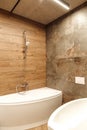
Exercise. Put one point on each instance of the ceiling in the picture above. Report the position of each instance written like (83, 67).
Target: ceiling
(42, 11)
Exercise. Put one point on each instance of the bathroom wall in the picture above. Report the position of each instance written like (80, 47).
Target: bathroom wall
(14, 69)
(67, 54)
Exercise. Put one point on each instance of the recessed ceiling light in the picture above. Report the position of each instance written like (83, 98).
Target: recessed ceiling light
(63, 4)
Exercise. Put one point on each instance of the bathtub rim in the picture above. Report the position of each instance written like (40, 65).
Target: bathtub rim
(30, 102)
(58, 93)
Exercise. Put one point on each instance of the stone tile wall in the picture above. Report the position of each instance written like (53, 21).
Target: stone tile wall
(67, 54)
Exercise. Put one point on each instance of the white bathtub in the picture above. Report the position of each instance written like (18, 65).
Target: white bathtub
(70, 116)
(21, 112)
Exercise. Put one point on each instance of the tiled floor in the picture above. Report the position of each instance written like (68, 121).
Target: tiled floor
(42, 127)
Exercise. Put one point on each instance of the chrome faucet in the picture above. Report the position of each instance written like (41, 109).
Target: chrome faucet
(22, 88)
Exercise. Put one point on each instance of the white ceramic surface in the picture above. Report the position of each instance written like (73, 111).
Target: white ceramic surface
(20, 112)
(70, 116)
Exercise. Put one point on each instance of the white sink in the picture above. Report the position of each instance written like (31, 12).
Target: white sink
(70, 116)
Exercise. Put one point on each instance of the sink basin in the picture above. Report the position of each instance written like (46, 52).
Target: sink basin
(70, 116)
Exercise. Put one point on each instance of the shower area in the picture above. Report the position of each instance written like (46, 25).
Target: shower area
(22, 55)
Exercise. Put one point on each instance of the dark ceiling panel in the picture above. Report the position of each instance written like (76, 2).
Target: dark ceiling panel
(7, 4)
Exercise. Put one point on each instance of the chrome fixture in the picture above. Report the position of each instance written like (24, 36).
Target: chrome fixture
(22, 88)
(26, 44)
(63, 3)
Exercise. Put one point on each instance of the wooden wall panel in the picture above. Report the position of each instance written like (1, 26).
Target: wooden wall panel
(14, 69)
